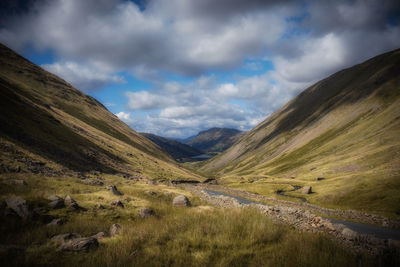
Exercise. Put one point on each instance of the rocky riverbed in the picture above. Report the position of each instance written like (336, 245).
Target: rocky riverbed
(303, 218)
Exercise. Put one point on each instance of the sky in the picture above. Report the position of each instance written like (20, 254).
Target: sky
(176, 67)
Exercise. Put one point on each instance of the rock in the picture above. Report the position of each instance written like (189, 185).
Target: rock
(115, 191)
(55, 222)
(99, 235)
(20, 207)
(40, 210)
(69, 200)
(146, 212)
(320, 178)
(53, 198)
(101, 207)
(80, 244)
(61, 239)
(328, 225)
(117, 203)
(317, 220)
(349, 234)
(56, 203)
(306, 190)
(115, 229)
(17, 182)
(181, 201)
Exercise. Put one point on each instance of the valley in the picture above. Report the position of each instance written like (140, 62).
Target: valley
(80, 187)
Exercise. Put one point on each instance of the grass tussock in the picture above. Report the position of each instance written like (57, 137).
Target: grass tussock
(199, 235)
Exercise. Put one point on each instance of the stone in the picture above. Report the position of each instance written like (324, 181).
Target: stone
(82, 244)
(306, 190)
(17, 182)
(69, 200)
(146, 212)
(181, 201)
(20, 207)
(115, 229)
(55, 222)
(57, 204)
(61, 239)
(328, 225)
(349, 234)
(115, 191)
(117, 203)
(53, 198)
(99, 235)
(99, 206)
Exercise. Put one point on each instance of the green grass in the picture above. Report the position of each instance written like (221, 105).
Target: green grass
(195, 236)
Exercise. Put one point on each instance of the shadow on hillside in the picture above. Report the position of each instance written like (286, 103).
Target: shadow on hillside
(39, 132)
(344, 87)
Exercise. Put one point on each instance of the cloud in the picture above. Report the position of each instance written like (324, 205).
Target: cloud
(304, 40)
(125, 117)
(83, 77)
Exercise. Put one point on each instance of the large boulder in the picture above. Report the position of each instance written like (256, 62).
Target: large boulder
(81, 244)
(146, 212)
(61, 239)
(55, 222)
(72, 204)
(56, 202)
(306, 190)
(99, 235)
(20, 207)
(69, 200)
(115, 229)
(181, 201)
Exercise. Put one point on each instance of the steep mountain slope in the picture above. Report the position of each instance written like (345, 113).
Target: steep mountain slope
(48, 126)
(215, 139)
(174, 148)
(345, 129)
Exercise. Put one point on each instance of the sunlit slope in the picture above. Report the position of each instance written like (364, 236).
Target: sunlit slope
(345, 128)
(45, 118)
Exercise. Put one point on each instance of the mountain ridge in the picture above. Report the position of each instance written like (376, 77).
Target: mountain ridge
(43, 117)
(214, 139)
(174, 148)
(346, 125)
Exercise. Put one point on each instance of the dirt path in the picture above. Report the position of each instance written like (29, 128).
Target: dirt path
(302, 216)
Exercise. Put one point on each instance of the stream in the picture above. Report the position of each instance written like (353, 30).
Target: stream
(377, 231)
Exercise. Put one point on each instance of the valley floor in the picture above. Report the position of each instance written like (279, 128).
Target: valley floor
(204, 234)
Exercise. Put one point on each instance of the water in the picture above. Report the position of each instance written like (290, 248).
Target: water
(380, 232)
(202, 156)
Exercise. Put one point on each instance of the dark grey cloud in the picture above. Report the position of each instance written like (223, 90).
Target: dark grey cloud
(305, 40)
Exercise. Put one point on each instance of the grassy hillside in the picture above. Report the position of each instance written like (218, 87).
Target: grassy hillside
(344, 129)
(215, 139)
(48, 126)
(174, 148)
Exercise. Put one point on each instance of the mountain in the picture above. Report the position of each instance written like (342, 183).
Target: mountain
(174, 148)
(214, 139)
(344, 129)
(49, 127)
